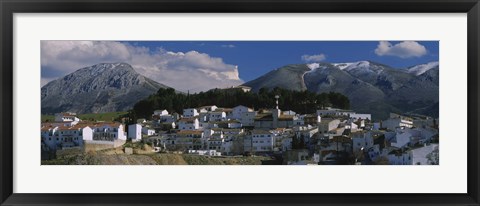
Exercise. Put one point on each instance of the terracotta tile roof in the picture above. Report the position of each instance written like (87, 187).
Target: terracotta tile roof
(187, 120)
(64, 128)
(224, 110)
(286, 117)
(187, 132)
(47, 127)
(257, 131)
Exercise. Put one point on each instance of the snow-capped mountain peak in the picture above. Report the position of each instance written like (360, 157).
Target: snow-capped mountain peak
(422, 68)
(350, 65)
(313, 66)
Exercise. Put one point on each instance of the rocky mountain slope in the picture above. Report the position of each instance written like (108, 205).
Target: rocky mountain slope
(371, 87)
(105, 87)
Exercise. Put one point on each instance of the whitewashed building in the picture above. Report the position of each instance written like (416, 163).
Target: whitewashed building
(160, 112)
(217, 116)
(135, 132)
(361, 141)
(190, 112)
(248, 118)
(402, 139)
(397, 121)
(327, 124)
(188, 124)
(108, 131)
(237, 112)
(148, 131)
(262, 140)
(361, 116)
(56, 137)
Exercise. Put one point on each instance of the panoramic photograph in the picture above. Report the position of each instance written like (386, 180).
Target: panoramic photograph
(239, 102)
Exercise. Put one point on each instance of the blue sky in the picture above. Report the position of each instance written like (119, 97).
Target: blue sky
(255, 58)
(202, 65)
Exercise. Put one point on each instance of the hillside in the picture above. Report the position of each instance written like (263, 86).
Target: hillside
(106, 87)
(117, 157)
(371, 87)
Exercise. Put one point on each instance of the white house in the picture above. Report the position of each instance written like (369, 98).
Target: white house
(361, 140)
(401, 139)
(205, 109)
(427, 155)
(243, 88)
(87, 133)
(238, 111)
(215, 142)
(135, 132)
(227, 145)
(230, 124)
(217, 116)
(351, 125)
(361, 116)
(190, 112)
(421, 135)
(188, 124)
(248, 118)
(108, 131)
(63, 136)
(334, 112)
(66, 117)
(262, 140)
(274, 119)
(160, 112)
(327, 124)
(148, 131)
(306, 133)
(162, 116)
(397, 121)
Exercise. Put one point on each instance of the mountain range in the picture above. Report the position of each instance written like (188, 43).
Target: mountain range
(104, 87)
(371, 87)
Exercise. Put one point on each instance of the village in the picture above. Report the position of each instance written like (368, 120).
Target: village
(328, 137)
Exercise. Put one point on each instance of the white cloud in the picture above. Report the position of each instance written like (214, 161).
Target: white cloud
(192, 70)
(406, 49)
(228, 46)
(313, 58)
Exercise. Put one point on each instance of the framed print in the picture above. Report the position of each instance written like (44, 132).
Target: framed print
(251, 103)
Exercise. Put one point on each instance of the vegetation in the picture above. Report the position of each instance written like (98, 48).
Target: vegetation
(108, 158)
(298, 101)
(109, 116)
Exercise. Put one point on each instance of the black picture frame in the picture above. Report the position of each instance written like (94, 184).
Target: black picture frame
(10, 7)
